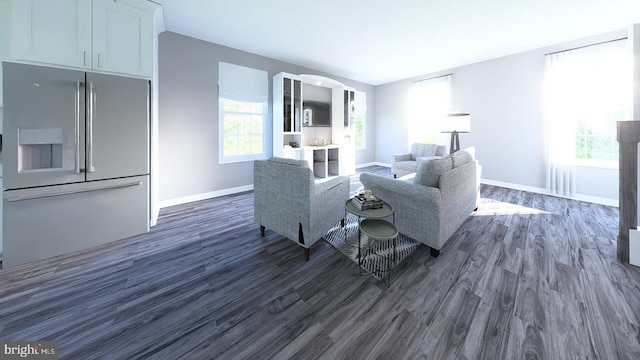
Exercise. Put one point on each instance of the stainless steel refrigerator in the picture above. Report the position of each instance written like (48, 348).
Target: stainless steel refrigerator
(75, 160)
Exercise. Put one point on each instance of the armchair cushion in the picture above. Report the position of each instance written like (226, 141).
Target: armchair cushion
(428, 174)
(462, 157)
(419, 150)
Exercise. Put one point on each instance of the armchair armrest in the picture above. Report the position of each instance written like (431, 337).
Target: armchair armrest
(400, 157)
(326, 206)
(324, 186)
(400, 191)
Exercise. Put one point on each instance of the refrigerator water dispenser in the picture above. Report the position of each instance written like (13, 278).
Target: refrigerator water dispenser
(39, 149)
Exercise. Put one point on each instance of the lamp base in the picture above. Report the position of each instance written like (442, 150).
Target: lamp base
(455, 142)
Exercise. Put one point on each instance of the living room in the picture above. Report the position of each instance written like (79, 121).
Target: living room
(504, 96)
(204, 283)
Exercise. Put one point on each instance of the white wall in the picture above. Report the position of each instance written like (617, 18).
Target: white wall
(505, 99)
(392, 120)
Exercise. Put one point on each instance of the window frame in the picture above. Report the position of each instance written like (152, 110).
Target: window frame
(243, 85)
(225, 159)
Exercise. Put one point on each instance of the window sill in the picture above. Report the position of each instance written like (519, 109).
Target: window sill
(610, 165)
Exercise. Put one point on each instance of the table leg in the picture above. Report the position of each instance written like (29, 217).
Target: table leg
(359, 248)
(346, 239)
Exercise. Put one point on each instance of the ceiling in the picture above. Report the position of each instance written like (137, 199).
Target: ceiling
(377, 42)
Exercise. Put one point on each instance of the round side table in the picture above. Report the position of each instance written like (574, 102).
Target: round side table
(384, 212)
(380, 230)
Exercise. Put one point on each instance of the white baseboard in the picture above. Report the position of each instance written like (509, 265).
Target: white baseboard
(239, 189)
(205, 196)
(537, 190)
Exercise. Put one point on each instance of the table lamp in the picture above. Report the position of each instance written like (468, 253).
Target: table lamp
(455, 124)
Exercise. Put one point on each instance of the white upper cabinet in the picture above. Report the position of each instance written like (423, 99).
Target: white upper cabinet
(106, 35)
(122, 38)
(57, 32)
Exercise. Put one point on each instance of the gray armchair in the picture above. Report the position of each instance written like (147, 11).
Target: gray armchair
(288, 201)
(431, 207)
(404, 164)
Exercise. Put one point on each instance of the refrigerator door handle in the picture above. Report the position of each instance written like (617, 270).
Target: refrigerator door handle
(77, 129)
(90, 108)
(71, 192)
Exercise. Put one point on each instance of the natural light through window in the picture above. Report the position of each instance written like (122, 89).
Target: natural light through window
(588, 91)
(243, 127)
(429, 101)
(360, 111)
(242, 113)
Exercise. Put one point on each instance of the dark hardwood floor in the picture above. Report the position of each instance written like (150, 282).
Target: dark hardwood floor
(526, 276)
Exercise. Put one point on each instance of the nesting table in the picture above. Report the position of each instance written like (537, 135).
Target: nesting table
(373, 224)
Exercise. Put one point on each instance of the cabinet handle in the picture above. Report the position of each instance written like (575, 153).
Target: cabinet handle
(84, 58)
(98, 59)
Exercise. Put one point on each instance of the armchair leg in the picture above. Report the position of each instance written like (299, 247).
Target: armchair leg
(261, 231)
(342, 222)
(307, 254)
(434, 252)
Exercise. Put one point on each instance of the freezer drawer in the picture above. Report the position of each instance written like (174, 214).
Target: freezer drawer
(44, 222)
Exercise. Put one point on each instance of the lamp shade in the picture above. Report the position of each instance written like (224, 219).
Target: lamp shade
(458, 122)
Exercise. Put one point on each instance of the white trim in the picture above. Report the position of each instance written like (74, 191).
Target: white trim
(543, 191)
(320, 81)
(205, 196)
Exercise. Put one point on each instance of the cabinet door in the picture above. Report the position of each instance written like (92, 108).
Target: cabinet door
(122, 38)
(54, 32)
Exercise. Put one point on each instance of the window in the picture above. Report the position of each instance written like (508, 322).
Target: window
(243, 109)
(588, 91)
(429, 101)
(360, 111)
(243, 123)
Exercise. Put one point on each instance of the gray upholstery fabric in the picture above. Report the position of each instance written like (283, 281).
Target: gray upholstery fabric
(428, 174)
(430, 214)
(419, 150)
(403, 164)
(288, 201)
(462, 157)
(294, 162)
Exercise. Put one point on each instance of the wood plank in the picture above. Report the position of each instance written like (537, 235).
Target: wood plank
(525, 276)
